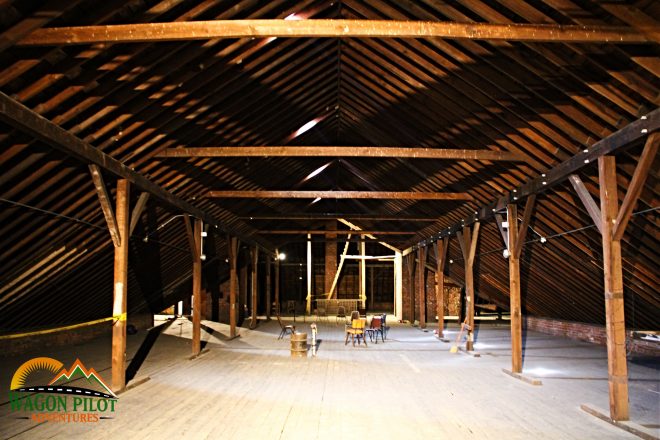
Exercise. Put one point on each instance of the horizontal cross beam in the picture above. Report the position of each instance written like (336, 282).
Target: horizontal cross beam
(355, 217)
(338, 232)
(400, 195)
(205, 30)
(335, 151)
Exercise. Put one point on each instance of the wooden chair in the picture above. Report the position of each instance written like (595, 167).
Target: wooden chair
(375, 328)
(341, 313)
(321, 313)
(285, 328)
(356, 331)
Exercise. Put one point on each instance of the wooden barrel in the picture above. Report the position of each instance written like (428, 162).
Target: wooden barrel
(299, 344)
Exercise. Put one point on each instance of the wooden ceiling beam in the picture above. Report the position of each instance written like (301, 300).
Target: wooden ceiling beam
(400, 195)
(338, 232)
(205, 30)
(335, 151)
(357, 217)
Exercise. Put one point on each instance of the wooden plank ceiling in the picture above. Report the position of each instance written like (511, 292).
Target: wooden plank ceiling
(509, 109)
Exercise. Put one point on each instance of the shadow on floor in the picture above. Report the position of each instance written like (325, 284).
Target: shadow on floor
(145, 348)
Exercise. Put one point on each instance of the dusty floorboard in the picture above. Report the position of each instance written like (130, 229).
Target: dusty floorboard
(409, 386)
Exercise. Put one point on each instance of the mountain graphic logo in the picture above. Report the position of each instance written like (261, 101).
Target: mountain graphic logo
(60, 382)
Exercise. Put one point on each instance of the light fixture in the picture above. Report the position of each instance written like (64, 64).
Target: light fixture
(543, 239)
(202, 257)
(204, 234)
(505, 254)
(281, 256)
(451, 261)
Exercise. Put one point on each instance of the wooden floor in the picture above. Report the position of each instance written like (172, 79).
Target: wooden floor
(411, 386)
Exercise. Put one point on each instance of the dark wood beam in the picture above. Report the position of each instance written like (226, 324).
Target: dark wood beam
(191, 238)
(335, 151)
(120, 291)
(588, 201)
(633, 132)
(254, 252)
(196, 288)
(277, 282)
(469, 249)
(340, 232)
(232, 250)
(26, 120)
(269, 261)
(137, 211)
(500, 225)
(353, 217)
(636, 185)
(106, 205)
(527, 217)
(400, 195)
(205, 30)
(421, 286)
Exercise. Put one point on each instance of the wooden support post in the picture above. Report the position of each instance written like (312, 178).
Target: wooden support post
(277, 283)
(398, 285)
(330, 257)
(255, 288)
(421, 288)
(587, 200)
(233, 281)
(614, 313)
(342, 259)
(121, 288)
(636, 185)
(308, 299)
(372, 288)
(410, 264)
(362, 273)
(106, 204)
(440, 260)
(197, 288)
(137, 211)
(514, 290)
(468, 242)
(268, 261)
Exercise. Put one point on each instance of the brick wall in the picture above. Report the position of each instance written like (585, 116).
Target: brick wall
(587, 332)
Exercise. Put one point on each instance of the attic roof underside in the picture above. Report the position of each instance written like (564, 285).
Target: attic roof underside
(543, 101)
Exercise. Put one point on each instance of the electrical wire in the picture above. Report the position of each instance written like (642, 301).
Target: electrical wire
(542, 239)
(88, 224)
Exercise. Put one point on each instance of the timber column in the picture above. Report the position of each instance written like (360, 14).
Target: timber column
(197, 287)
(614, 315)
(233, 281)
(514, 290)
(421, 287)
(330, 256)
(440, 258)
(121, 288)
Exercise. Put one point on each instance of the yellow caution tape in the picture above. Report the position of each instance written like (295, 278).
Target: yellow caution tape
(121, 317)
